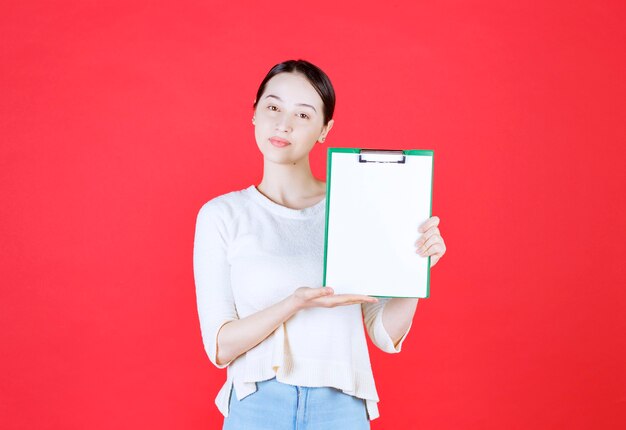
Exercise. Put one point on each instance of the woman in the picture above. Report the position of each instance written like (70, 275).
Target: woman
(296, 352)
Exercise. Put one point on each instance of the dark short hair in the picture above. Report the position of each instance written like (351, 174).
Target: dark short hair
(313, 74)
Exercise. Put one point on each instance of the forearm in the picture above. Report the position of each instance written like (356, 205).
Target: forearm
(238, 336)
(397, 316)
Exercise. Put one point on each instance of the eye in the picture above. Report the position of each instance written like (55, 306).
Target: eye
(303, 116)
(272, 108)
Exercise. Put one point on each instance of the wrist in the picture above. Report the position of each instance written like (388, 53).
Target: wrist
(292, 304)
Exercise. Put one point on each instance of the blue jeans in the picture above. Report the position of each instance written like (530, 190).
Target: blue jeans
(278, 406)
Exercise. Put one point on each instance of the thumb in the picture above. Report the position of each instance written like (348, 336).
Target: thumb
(326, 291)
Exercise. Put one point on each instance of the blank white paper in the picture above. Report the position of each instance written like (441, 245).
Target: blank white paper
(375, 210)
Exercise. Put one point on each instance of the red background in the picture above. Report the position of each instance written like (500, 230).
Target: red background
(118, 121)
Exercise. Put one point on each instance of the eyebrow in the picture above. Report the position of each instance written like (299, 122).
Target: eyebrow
(297, 104)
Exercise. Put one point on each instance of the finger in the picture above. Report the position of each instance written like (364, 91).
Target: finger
(314, 293)
(436, 249)
(433, 260)
(345, 299)
(432, 240)
(356, 297)
(334, 303)
(430, 222)
(427, 235)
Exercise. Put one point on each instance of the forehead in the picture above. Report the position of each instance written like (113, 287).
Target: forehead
(292, 88)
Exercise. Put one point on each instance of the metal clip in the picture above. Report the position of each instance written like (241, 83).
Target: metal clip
(381, 156)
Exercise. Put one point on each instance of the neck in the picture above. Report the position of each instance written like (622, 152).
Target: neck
(291, 185)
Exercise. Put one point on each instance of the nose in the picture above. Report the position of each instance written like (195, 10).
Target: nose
(283, 123)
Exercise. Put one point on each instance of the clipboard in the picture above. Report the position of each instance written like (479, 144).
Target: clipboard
(375, 202)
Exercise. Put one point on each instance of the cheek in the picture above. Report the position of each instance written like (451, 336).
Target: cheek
(258, 135)
(264, 124)
(313, 133)
(260, 138)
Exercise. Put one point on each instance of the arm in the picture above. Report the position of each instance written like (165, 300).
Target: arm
(225, 336)
(239, 336)
(398, 313)
(389, 321)
(398, 316)
(215, 302)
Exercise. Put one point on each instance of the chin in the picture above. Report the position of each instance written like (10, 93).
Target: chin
(283, 159)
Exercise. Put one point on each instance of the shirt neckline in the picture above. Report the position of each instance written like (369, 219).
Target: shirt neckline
(284, 210)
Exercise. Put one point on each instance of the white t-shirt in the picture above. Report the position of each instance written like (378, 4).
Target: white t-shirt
(250, 253)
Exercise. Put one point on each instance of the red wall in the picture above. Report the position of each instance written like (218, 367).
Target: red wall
(118, 121)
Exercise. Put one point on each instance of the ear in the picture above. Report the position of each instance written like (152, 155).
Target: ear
(326, 130)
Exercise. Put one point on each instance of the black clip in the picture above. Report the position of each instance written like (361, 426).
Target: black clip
(381, 156)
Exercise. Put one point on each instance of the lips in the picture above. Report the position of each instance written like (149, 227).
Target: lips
(279, 142)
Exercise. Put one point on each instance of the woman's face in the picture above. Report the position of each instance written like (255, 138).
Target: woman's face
(289, 119)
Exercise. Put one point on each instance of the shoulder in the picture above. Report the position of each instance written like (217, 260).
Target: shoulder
(226, 206)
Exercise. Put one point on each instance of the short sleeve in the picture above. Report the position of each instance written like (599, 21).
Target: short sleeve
(216, 305)
(373, 317)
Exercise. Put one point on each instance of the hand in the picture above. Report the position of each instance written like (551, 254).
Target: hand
(430, 243)
(306, 297)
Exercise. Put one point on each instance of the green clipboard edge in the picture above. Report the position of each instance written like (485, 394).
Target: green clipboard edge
(329, 162)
